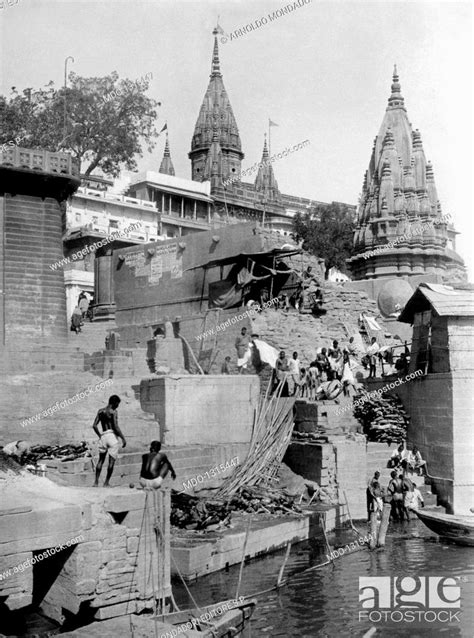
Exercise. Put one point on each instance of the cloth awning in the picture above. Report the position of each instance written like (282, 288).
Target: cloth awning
(232, 259)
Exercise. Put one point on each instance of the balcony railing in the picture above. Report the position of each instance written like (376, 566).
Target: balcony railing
(115, 197)
(38, 160)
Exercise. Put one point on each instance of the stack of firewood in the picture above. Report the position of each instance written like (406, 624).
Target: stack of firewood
(191, 512)
(383, 418)
(68, 452)
(199, 513)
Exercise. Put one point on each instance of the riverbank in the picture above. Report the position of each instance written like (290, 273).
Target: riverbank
(333, 590)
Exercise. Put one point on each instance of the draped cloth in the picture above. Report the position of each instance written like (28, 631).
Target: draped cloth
(224, 294)
(267, 353)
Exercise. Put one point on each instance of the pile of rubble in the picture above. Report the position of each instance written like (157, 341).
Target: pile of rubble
(383, 418)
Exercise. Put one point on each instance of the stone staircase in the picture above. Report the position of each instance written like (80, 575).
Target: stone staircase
(92, 335)
(377, 457)
(304, 333)
(188, 462)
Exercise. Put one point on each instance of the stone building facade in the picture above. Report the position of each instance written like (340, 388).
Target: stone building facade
(33, 188)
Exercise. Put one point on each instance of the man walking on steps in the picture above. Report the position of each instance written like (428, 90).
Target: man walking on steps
(109, 439)
(155, 467)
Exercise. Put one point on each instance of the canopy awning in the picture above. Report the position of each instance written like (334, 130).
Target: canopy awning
(232, 259)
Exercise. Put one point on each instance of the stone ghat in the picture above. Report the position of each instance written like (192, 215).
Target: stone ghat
(196, 554)
(304, 333)
(25, 397)
(189, 461)
(101, 548)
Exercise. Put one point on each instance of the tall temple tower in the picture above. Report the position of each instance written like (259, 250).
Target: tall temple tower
(265, 183)
(216, 151)
(398, 197)
(166, 165)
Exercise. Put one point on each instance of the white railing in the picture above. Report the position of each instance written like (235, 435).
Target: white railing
(113, 197)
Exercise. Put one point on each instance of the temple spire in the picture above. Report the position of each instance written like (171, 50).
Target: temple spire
(265, 182)
(396, 100)
(166, 165)
(215, 66)
(216, 115)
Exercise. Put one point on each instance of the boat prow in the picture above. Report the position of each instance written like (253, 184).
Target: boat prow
(456, 528)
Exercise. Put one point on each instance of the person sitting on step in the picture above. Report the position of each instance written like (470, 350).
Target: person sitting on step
(155, 467)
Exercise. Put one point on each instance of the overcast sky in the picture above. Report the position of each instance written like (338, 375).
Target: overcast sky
(322, 72)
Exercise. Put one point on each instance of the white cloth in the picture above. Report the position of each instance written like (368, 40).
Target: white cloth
(268, 354)
(242, 363)
(373, 349)
(109, 442)
(294, 366)
(347, 374)
(413, 499)
(10, 448)
(373, 325)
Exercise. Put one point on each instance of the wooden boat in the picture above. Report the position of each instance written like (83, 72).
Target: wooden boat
(458, 529)
(228, 624)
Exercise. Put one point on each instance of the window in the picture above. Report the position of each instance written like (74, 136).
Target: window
(95, 220)
(113, 223)
(78, 217)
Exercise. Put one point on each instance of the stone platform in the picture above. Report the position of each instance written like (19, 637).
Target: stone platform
(197, 555)
(189, 461)
(77, 550)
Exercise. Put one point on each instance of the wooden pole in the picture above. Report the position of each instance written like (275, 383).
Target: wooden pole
(322, 519)
(243, 557)
(202, 290)
(373, 530)
(192, 354)
(387, 507)
(349, 514)
(285, 560)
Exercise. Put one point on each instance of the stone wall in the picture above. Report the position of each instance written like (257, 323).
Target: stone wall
(33, 303)
(202, 409)
(441, 411)
(176, 285)
(305, 333)
(107, 569)
(26, 396)
(342, 467)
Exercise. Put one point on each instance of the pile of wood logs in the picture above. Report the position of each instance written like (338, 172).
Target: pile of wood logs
(383, 418)
(310, 436)
(191, 512)
(263, 500)
(68, 452)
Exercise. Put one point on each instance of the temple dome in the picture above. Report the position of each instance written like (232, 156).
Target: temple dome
(393, 296)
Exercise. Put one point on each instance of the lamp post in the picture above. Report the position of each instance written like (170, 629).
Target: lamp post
(69, 57)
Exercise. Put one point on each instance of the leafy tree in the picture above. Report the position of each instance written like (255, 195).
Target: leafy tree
(327, 232)
(107, 120)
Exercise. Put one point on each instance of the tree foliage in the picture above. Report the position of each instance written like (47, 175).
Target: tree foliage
(327, 231)
(107, 120)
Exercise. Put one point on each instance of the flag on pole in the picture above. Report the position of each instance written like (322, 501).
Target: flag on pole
(270, 123)
(165, 128)
(219, 29)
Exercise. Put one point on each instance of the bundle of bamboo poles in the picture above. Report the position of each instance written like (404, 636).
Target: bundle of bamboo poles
(273, 426)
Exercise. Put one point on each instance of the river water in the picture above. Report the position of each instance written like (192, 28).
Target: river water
(324, 603)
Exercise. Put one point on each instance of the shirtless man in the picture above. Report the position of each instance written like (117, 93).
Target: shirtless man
(155, 467)
(109, 439)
